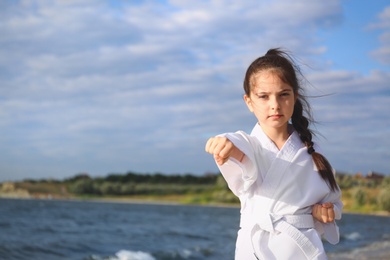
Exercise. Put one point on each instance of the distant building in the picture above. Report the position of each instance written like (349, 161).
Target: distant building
(375, 176)
(359, 175)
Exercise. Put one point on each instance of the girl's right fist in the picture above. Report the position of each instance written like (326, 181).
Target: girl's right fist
(221, 148)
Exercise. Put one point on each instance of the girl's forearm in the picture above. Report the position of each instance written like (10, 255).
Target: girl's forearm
(237, 154)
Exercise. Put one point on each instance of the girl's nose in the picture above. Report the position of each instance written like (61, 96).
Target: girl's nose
(274, 104)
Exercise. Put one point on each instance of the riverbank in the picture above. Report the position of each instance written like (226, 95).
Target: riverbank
(185, 200)
(159, 200)
(206, 197)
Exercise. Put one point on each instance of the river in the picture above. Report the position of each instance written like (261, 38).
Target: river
(85, 230)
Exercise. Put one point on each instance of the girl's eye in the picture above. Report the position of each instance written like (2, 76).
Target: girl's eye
(285, 94)
(262, 96)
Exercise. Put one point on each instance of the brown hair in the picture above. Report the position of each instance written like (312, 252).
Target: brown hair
(281, 63)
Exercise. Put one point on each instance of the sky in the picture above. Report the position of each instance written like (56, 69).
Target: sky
(104, 87)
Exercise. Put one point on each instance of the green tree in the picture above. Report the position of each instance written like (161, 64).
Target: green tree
(360, 197)
(82, 186)
(384, 199)
(345, 181)
(221, 183)
(128, 188)
(386, 182)
(110, 188)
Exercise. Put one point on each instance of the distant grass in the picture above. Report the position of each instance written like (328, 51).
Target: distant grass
(195, 194)
(189, 199)
(371, 204)
(43, 187)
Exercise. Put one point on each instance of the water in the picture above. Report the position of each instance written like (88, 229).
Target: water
(45, 229)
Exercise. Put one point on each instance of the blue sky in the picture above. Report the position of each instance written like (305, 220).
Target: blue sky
(104, 87)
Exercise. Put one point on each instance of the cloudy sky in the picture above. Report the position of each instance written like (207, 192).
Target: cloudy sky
(113, 86)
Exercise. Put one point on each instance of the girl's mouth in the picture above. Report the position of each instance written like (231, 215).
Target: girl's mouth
(275, 116)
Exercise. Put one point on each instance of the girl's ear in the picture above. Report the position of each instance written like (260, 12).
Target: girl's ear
(248, 102)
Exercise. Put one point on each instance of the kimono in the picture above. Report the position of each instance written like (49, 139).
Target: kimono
(277, 189)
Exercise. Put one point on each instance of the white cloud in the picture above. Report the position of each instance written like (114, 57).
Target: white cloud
(90, 87)
(382, 54)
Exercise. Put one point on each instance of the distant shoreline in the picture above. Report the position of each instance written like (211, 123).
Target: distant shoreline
(152, 201)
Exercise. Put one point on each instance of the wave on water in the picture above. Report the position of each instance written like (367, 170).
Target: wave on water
(196, 253)
(125, 255)
(352, 236)
(377, 251)
(130, 255)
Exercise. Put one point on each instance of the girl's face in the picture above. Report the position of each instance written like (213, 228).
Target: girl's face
(271, 100)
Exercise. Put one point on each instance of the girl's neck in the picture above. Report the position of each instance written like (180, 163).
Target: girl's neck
(278, 135)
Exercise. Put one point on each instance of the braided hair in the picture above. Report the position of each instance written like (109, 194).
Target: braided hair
(283, 65)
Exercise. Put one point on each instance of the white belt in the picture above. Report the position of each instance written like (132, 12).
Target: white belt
(288, 225)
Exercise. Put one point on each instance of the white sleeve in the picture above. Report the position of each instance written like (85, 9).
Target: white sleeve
(240, 175)
(331, 230)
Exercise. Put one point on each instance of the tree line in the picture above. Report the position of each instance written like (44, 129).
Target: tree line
(359, 194)
(141, 184)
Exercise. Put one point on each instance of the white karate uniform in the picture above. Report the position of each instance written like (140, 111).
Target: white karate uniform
(277, 189)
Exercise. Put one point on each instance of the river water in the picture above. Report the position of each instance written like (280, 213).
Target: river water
(85, 230)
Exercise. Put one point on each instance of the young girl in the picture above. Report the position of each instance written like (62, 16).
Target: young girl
(288, 193)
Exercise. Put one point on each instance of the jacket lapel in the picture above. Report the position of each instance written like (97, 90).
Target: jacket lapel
(280, 160)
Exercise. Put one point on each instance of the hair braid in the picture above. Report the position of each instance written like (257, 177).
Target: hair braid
(301, 125)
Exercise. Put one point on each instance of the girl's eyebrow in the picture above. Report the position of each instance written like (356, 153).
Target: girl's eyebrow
(283, 90)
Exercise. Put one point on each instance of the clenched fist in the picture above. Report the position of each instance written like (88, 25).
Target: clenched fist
(222, 149)
(323, 212)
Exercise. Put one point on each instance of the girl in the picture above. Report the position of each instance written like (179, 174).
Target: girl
(288, 193)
